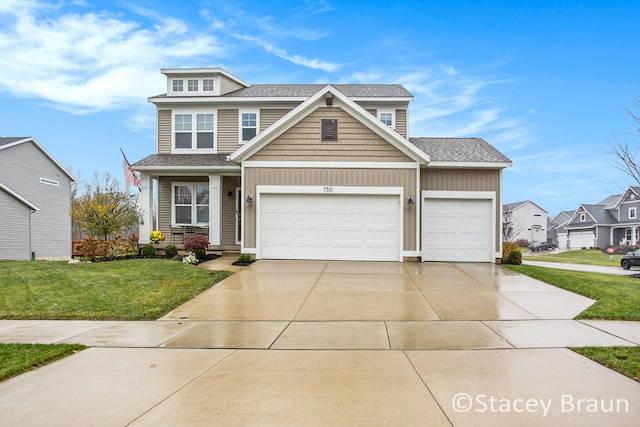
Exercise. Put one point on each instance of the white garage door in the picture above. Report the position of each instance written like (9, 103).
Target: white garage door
(582, 239)
(562, 240)
(457, 230)
(330, 227)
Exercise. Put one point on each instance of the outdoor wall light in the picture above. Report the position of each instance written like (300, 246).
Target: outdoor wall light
(229, 194)
(410, 201)
(249, 199)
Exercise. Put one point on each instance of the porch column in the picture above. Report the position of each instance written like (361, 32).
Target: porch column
(145, 204)
(215, 208)
(633, 235)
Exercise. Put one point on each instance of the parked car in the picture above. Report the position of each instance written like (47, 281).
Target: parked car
(630, 260)
(542, 246)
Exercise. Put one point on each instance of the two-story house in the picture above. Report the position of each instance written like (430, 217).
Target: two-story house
(613, 221)
(524, 221)
(316, 172)
(35, 198)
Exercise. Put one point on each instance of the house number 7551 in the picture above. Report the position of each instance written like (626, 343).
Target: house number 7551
(328, 189)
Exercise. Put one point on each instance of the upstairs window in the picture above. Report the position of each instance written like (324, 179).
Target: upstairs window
(632, 213)
(329, 130)
(583, 217)
(248, 126)
(184, 131)
(204, 129)
(387, 117)
(192, 85)
(207, 85)
(178, 85)
(194, 131)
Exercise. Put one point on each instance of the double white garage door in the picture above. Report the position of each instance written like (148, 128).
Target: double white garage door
(330, 226)
(369, 227)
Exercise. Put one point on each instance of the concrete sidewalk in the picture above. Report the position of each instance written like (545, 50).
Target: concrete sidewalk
(582, 267)
(332, 343)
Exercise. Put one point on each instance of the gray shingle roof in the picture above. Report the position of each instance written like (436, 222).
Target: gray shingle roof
(611, 201)
(9, 140)
(475, 150)
(307, 90)
(598, 212)
(183, 160)
(511, 206)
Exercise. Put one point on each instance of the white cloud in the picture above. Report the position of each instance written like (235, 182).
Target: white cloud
(92, 61)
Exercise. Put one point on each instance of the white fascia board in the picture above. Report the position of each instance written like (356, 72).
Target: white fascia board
(22, 141)
(163, 99)
(182, 169)
(18, 197)
(331, 165)
(577, 212)
(474, 165)
(319, 189)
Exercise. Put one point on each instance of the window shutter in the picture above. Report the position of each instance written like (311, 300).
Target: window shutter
(329, 129)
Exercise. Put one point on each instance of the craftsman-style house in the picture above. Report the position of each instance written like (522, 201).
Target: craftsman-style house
(316, 172)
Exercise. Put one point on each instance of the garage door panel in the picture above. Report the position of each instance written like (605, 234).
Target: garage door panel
(457, 230)
(584, 239)
(336, 226)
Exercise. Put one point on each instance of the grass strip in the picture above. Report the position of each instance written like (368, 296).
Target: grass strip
(625, 360)
(16, 359)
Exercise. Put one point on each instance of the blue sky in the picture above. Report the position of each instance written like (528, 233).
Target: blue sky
(546, 82)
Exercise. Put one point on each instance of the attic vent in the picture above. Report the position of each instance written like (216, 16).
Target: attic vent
(329, 129)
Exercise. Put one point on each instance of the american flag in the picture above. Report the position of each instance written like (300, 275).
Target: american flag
(130, 174)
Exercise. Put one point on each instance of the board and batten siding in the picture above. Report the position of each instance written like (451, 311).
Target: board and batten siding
(14, 223)
(164, 131)
(228, 206)
(437, 179)
(356, 142)
(21, 168)
(405, 178)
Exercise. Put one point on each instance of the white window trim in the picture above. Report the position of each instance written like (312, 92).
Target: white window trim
(194, 132)
(391, 111)
(247, 111)
(185, 86)
(171, 86)
(632, 210)
(583, 217)
(194, 206)
(198, 85)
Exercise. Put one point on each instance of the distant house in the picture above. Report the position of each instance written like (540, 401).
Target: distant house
(35, 195)
(524, 221)
(314, 171)
(556, 231)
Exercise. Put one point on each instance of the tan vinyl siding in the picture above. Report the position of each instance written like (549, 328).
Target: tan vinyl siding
(372, 111)
(466, 180)
(164, 131)
(227, 131)
(356, 142)
(227, 85)
(401, 122)
(405, 178)
(228, 220)
(270, 116)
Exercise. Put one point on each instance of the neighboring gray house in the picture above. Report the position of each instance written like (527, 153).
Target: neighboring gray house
(316, 172)
(35, 195)
(556, 232)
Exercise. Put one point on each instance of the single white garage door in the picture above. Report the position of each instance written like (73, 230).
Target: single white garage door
(581, 239)
(330, 227)
(562, 240)
(457, 230)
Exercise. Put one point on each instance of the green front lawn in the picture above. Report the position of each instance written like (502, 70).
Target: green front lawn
(143, 289)
(625, 360)
(618, 296)
(18, 358)
(586, 256)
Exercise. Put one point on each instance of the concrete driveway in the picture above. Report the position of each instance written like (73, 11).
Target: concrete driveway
(338, 343)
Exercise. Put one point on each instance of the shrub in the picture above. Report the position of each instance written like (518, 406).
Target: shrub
(245, 259)
(90, 248)
(170, 251)
(148, 250)
(523, 243)
(190, 259)
(507, 247)
(156, 236)
(197, 244)
(514, 257)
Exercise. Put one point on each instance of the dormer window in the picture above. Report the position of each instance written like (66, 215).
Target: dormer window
(207, 85)
(192, 85)
(178, 85)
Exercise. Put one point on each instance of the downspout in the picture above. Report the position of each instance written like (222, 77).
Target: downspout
(33, 255)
